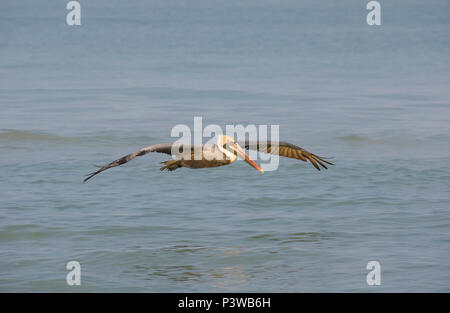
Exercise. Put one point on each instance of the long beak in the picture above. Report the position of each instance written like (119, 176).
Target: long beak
(246, 158)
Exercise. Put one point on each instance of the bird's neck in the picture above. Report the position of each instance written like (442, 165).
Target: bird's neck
(228, 155)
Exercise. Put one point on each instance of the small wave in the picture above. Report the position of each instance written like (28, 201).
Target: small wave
(7, 135)
(395, 140)
(361, 139)
(292, 237)
(13, 148)
(18, 135)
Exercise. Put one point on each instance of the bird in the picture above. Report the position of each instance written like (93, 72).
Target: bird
(223, 152)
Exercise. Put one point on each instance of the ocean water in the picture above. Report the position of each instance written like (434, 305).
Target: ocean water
(376, 98)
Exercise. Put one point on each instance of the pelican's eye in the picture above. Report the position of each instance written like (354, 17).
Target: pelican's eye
(228, 144)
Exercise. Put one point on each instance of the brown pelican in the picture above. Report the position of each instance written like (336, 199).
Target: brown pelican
(224, 151)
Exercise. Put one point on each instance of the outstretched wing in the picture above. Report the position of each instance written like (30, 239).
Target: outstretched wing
(161, 148)
(287, 150)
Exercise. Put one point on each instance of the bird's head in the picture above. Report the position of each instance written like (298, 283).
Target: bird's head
(227, 143)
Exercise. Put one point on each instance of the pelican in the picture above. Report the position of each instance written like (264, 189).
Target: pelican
(225, 151)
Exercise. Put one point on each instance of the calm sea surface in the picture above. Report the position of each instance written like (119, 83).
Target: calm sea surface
(377, 98)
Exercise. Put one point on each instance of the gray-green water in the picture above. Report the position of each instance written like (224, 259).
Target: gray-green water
(375, 98)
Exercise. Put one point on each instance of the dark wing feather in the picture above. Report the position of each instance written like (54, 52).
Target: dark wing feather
(161, 148)
(287, 150)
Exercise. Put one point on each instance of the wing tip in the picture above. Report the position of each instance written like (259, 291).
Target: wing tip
(90, 175)
(315, 158)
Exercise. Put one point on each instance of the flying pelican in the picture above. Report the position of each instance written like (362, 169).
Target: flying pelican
(224, 151)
